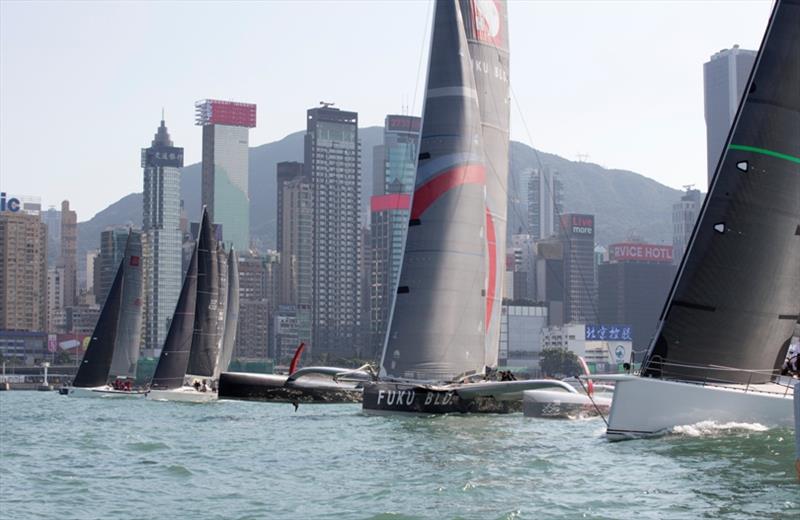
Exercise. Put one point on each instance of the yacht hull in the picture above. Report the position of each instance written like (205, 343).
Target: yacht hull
(184, 394)
(274, 388)
(645, 407)
(102, 391)
(388, 398)
(557, 404)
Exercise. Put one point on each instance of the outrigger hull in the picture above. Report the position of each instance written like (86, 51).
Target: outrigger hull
(275, 388)
(383, 398)
(103, 391)
(184, 394)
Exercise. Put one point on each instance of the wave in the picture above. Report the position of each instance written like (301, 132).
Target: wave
(711, 428)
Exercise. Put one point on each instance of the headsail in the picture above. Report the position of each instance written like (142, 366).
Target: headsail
(486, 26)
(736, 297)
(436, 329)
(96, 362)
(222, 304)
(129, 329)
(231, 313)
(174, 359)
(205, 340)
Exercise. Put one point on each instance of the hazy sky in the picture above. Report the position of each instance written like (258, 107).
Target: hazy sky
(82, 84)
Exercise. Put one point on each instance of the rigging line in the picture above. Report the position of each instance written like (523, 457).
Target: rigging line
(422, 47)
(597, 409)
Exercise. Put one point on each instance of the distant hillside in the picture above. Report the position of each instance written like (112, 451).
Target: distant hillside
(623, 202)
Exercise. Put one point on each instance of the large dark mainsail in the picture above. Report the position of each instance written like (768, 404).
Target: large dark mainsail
(174, 359)
(736, 297)
(486, 27)
(437, 325)
(129, 328)
(205, 340)
(96, 363)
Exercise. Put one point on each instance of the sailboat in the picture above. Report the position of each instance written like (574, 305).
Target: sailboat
(189, 356)
(442, 343)
(113, 349)
(729, 318)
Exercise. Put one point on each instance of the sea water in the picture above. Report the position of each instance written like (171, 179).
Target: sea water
(71, 458)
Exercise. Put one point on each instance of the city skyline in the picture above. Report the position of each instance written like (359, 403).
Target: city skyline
(568, 96)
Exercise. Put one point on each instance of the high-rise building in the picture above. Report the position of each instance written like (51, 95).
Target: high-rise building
(226, 128)
(52, 218)
(295, 247)
(632, 287)
(521, 327)
(394, 170)
(91, 258)
(332, 163)
(580, 285)
(545, 203)
(725, 77)
(56, 316)
(161, 247)
(252, 336)
(684, 216)
(69, 250)
(112, 251)
(23, 271)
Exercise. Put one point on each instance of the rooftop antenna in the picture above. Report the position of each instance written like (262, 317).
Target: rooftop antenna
(688, 187)
(326, 104)
(162, 113)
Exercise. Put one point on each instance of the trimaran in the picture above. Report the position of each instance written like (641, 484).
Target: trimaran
(727, 324)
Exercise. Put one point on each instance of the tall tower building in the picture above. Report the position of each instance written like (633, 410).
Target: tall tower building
(112, 250)
(684, 216)
(252, 336)
(580, 284)
(724, 79)
(295, 247)
(226, 166)
(332, 162)
(394, 170)
(23, 271)
(161, 246)
(545, 203)
(69, 251)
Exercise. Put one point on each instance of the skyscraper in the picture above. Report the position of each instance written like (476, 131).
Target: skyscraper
(395, 164)
(69, 250)
(332, 162)
(112, 250)
(545, 203)
(684, 216)
(161, 237)
(724, 79)
(580, 285)
(226, 166)
(295, 246)
(252, 336)
(23, 271)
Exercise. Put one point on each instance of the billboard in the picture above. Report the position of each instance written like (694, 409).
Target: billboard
(231, 113)
(608, 332)
(170, 156)
(393, 201)
(403, 123)
(578, 225)
(636, 252)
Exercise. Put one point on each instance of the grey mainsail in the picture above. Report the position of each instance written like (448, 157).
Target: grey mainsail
(222, 303)
(205, 340)
(129, 328)
(231, 313)
(437, 325)
(736, 297)
(174, 359)
(96, 363)
(486, 27)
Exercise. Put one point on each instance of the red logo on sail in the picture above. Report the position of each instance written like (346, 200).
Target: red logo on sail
(135, 261)
(488, 23)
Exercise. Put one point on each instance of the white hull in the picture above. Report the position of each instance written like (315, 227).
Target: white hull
(103, 391)
(184, 394)
(645, 407)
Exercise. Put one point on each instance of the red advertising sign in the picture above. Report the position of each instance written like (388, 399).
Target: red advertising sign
(636, 252)
(407, 123)
(232, 113)
(577, 224)
(389, 202)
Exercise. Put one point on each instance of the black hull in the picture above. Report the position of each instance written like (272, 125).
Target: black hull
(272, 388)
(419, 399)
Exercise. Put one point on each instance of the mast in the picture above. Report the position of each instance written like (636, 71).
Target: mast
(736, 296)
(437, 327)
(96, 363)
(486, 26)
(129, 329)
(174, 359)
(205, 340)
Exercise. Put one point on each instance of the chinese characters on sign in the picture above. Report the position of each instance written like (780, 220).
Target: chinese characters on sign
(596, 332)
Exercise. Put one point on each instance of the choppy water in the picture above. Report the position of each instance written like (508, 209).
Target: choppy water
(67, 458)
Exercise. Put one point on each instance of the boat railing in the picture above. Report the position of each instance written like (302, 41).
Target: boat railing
(717, 379)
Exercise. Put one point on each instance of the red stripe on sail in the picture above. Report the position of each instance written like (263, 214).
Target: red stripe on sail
(491, 244)
(430, 192)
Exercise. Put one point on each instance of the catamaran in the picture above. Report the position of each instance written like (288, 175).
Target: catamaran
(729, 319)
(113, 350)
(442, 344)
